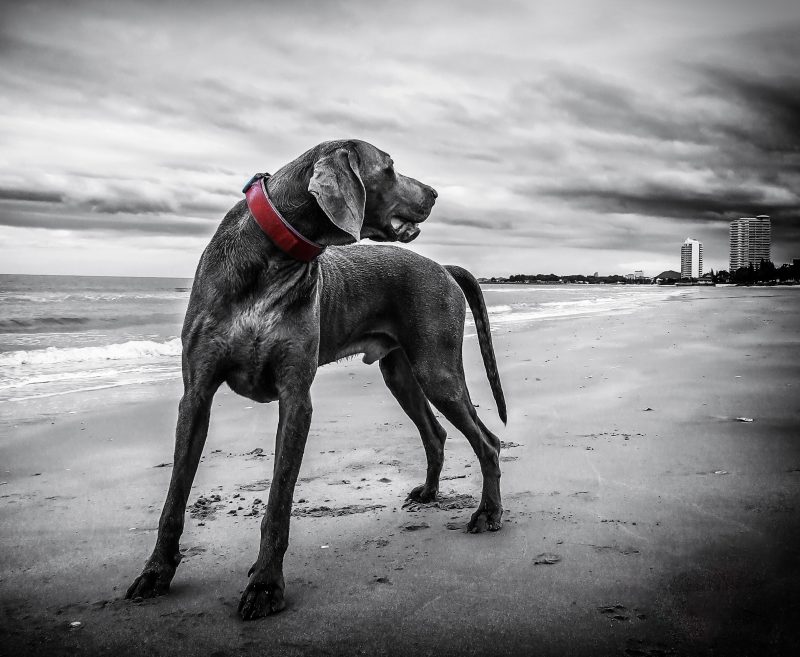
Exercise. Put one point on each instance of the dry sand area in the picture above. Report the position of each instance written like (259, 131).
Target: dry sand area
(642, 518)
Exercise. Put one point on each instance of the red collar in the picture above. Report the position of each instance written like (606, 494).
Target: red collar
(286, 238)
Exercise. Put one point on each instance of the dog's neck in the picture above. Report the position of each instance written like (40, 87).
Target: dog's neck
(287, 190)
(271, 222)
(296, 204)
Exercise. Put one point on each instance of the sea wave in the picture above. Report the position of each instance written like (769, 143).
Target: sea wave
(55, 297)
(19, 323)
(63, 323)
(130, 350)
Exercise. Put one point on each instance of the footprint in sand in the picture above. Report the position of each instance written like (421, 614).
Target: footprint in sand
(326, 511)
(639, 648)
(446, 502)
(621, 613)
(414, 526)
(615, 548)
(261, 484)
(193, 551)
(546, 559)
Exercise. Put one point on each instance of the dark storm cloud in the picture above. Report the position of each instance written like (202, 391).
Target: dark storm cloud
(122, 200)
(747, 161)
(772, 106)
(586, 99)
(568, 124)
(493, 221)
(105, 224)
(662, 201)
(30, 195)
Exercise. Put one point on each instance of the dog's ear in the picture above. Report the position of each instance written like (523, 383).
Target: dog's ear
(337, 186)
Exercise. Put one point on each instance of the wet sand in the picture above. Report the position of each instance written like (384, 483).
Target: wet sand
(642, 517)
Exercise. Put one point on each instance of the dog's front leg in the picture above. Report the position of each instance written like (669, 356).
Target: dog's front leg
(264, 592)
(194, 413)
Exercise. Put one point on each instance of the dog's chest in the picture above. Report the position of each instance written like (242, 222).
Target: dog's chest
(258, 339)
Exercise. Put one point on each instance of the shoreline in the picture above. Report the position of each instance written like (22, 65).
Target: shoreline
(675, 526)
(56, 374)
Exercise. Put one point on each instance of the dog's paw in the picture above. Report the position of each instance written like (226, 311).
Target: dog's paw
(484, 520)
(423, 494)
(152, 582)
(259, 600)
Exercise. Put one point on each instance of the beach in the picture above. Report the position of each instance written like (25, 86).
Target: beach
(651, 472)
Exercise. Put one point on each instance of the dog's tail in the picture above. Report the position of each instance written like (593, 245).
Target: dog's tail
(472, 291)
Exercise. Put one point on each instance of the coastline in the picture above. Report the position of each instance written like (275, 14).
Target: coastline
(58, 359)
(675, 528)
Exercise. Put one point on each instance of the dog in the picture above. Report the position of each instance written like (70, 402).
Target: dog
(278, 292)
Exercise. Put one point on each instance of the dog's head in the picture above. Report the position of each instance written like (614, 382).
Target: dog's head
(357, 187)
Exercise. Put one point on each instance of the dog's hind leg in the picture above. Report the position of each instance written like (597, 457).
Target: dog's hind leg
(400, 380)
(194, 413)
(441, 377)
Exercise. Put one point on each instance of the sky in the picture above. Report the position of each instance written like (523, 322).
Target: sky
(567, 137)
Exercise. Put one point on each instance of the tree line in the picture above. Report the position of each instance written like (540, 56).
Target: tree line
(555, 278)
(765, 272)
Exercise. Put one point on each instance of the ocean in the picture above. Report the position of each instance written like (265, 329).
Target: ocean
(62, 337)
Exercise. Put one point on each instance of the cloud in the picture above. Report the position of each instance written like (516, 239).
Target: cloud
(572, 127)
(106, 224)
(30, 195)
(351, 120)
(660, 200)
(740, 161)
(772, 111)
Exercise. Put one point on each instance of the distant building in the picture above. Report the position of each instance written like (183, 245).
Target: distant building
(750, 239)
(691, 259)
(669, 276)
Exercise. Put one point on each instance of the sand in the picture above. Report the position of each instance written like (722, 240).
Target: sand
(642, 517)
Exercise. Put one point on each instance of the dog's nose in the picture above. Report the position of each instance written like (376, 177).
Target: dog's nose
(434, 192)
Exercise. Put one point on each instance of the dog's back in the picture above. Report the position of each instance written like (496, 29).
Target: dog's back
(386, 290)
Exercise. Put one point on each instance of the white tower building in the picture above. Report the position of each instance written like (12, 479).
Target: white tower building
(750, 239)
(691, 259)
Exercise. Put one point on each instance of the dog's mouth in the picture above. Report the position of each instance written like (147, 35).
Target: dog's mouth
(404, 230)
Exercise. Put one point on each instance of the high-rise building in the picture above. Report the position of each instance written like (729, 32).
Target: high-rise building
(691, 259)
(750, 241)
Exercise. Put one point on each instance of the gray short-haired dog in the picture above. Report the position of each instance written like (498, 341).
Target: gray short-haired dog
(263, 317)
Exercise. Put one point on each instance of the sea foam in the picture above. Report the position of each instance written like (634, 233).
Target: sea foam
(131, 350)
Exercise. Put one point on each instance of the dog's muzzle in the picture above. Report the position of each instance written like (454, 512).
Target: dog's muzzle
(406, 231)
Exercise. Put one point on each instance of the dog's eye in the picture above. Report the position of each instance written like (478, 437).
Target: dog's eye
(390, 168)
